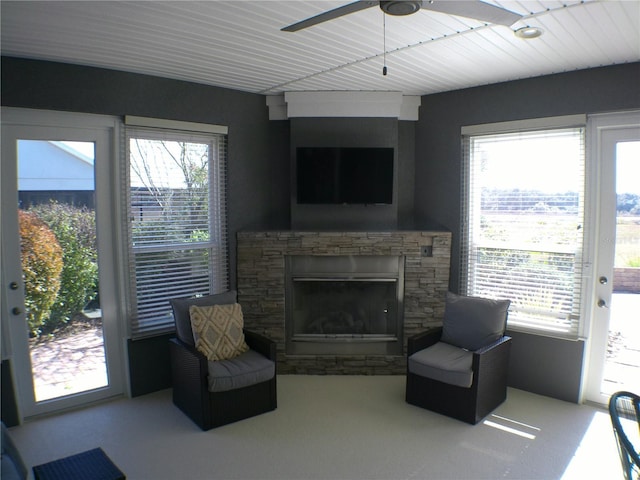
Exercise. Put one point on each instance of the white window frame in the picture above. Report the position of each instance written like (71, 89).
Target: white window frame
(577, 320)
(157, 319)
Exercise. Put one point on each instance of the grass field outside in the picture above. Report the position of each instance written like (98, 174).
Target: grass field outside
(628, 241)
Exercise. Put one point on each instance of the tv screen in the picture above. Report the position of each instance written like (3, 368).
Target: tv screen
(344, 175)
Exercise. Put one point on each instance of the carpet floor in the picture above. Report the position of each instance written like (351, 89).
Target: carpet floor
(335, 428)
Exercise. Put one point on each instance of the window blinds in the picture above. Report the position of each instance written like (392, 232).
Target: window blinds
(175, 222)
(523, 225)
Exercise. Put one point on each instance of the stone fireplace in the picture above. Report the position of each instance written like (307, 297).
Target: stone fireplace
(342, 302)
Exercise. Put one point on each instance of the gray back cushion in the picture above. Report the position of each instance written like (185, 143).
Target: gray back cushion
(473, 322)
(181, 311)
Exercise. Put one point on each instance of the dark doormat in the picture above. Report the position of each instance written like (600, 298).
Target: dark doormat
(90, 465)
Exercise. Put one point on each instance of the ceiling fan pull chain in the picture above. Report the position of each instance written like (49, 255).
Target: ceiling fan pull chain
(384, 43)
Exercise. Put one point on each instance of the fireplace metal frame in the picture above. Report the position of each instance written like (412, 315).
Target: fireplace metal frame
(344, 268)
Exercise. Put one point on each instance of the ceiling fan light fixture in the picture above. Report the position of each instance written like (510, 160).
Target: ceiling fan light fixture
(527, 33)
(400, 8)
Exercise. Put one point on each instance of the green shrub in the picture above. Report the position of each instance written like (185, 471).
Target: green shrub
(41, 257)
(75, 230)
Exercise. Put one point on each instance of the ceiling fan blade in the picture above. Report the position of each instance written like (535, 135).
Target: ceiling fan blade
(330, 15)
(477, 10)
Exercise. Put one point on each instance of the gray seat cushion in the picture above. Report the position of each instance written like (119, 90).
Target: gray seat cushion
(444, 363)
(473, 322)
(244, 370)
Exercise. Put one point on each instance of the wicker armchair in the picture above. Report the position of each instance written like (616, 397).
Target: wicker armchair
(624, 410)
(190, 371)
(460, 369)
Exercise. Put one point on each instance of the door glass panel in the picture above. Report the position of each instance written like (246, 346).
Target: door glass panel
(58, 243)
(622, 364)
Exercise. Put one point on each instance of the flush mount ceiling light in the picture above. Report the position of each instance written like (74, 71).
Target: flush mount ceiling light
(528, 33)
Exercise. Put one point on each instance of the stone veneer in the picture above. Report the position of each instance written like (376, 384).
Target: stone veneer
(261, 289)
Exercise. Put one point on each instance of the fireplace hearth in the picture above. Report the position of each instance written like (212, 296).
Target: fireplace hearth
(344, 305)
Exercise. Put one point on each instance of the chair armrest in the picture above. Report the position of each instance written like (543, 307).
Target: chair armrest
(261, 344)
(494, 354)
(497, 343)
(187, 361)
(189, 372)
(423, 340)
(11, 456)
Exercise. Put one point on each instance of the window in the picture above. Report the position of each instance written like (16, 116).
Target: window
(176, 220)
(524, 224)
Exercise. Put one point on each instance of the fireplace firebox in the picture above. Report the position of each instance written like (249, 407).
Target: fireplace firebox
(344, 305)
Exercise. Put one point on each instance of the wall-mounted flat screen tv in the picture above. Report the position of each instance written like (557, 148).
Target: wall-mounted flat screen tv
(344, 175)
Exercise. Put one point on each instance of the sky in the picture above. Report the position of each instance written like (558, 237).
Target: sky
(628, 167)
(548, 165)
(86, 148)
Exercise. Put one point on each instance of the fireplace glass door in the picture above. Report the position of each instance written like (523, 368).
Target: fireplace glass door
(335, 306)
(351, 309)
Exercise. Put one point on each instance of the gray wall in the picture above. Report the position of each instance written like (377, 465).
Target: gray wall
(356, 132)
(258, 155)
(539, 364)
(258, 152)
(8, 404)
(406, 174)
(429, 154)
(344, 132)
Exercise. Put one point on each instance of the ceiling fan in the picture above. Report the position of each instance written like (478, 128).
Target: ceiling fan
(475, 9)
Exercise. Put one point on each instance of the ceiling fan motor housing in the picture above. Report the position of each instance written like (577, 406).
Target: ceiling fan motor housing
(401, 7)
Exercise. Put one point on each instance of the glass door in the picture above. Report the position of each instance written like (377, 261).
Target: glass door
(60, 318)
(614, 361)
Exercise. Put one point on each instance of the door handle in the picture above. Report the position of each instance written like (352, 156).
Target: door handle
(603, 280)
(16, 311)
(13, 285)
(602, 304)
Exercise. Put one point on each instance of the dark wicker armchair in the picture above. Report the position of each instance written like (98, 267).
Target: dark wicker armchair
(190, 371)
(624, 410)
(460, 369)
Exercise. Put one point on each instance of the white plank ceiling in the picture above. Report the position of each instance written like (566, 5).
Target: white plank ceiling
(239, 45)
